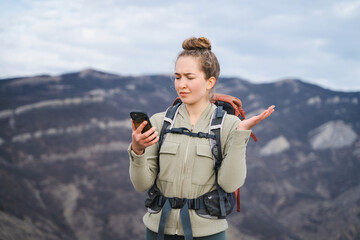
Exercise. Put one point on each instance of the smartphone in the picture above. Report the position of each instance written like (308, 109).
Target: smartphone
(138, 118)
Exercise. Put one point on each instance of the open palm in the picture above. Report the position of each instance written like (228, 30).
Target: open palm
(247, 124)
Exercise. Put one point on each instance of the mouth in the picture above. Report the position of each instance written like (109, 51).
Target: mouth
(183, 94)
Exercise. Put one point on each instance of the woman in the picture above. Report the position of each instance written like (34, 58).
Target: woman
(186, 165)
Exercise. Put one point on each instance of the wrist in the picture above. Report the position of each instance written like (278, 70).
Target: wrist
(137, 151)
(241, 128)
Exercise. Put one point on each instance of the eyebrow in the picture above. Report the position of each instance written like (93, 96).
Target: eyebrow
(186, 74)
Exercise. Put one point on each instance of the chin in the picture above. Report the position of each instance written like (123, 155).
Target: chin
(183, 100)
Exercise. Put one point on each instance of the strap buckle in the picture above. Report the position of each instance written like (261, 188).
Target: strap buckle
(202, 135)
(177, 202)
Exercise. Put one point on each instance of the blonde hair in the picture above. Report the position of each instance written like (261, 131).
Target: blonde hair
(201, 48)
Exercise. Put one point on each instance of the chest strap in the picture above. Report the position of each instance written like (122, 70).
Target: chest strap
(187, 132)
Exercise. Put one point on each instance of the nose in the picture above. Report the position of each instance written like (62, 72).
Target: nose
(181, 83)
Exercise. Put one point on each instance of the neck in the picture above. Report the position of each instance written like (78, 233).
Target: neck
(196, 110)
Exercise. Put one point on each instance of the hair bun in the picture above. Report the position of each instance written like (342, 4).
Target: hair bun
(196, 43)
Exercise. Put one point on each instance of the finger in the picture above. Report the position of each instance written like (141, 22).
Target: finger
(141, 127)
(155, 140)
(261, 116)
(265, 114)
(149, 132)
(269, 111)
(152, 136)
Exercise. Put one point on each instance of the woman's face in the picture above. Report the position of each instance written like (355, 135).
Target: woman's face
(190, 82)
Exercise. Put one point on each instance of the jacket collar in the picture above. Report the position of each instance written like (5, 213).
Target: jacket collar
(205, 116)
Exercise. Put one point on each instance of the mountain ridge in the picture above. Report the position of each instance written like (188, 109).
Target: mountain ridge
(64, 163)
(94, 71)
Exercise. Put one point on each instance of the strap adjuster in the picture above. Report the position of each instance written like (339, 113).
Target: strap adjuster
(177, 130)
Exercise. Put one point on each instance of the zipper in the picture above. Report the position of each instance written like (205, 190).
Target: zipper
(183, 174)
(182, 184)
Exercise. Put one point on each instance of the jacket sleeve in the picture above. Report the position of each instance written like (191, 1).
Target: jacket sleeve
(232, 172)
(143, 168)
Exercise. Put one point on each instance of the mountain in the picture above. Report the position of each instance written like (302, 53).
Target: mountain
(64, 163)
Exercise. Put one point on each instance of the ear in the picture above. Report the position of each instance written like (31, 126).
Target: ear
(210, 83)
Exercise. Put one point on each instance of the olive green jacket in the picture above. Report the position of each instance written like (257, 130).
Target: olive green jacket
(187, 168)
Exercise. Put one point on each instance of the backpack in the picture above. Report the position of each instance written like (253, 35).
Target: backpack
(231, 105)
(215, 204)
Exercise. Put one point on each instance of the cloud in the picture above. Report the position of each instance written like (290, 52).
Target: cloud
(347, 9)
(255, 40)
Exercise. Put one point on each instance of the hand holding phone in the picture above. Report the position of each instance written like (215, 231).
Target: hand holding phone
(143, 140)
(138, 118)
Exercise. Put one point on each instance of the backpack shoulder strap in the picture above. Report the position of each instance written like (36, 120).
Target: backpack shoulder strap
(217, 120)
(233, 106)
(216, 129)
(169, 120)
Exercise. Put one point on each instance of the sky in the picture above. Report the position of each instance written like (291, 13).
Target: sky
(260, 41)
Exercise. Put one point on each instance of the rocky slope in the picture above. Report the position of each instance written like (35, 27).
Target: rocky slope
(64, 166)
